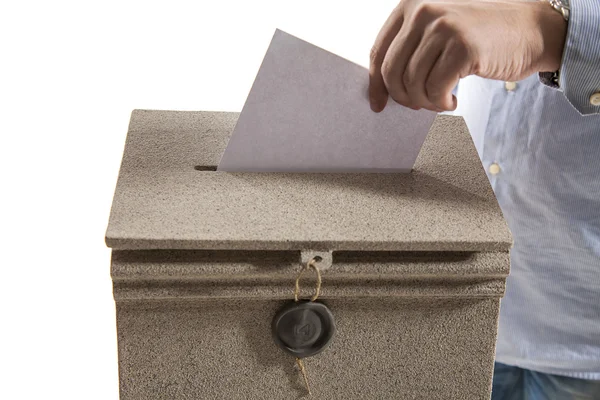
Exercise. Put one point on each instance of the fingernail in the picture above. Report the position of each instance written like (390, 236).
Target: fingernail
(377, 106)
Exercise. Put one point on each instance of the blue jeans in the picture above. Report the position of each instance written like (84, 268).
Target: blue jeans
(514, 383)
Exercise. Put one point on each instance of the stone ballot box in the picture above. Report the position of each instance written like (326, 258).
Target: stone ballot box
(413, 268)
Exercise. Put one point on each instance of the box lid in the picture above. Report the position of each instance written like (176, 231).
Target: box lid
(168, 196)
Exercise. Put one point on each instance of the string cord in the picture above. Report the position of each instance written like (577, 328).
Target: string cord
(311, 264)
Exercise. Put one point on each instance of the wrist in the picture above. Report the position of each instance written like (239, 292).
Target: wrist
(553, 31)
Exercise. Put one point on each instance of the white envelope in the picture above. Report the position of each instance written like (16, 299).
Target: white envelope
(308, 111)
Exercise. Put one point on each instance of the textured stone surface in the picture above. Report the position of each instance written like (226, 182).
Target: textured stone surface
(170, 275)
(161, 201)
(414, 268)
(430, 349)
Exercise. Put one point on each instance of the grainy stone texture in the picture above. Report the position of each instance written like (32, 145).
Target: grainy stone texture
(413, 271)
(185, 274)
(161, 201)
(430, 349)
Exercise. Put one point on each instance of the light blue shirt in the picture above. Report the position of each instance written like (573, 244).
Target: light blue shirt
(541, 148)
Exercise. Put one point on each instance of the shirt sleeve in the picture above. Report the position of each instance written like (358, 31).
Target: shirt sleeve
(579, 75)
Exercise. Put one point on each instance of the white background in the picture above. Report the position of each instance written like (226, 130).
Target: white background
(71, 72)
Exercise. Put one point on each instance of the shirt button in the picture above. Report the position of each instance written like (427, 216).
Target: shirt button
(595, 99)
(510, 86)
(494, 169)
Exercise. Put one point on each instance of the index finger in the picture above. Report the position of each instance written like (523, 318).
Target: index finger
(378, 94)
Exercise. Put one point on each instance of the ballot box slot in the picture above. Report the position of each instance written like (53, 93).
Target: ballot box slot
(205, 168)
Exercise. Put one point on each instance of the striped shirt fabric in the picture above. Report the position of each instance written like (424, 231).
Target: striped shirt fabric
(540, 145)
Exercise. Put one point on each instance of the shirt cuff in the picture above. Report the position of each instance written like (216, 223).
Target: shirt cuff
(579, 75)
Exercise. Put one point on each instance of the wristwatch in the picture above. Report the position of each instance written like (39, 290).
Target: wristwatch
(564, 8)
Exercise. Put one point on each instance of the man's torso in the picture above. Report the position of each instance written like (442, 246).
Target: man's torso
(543, 161)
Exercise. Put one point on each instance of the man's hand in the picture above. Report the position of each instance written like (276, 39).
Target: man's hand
(426, 46)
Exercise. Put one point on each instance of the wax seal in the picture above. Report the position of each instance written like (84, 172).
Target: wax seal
(303, 328)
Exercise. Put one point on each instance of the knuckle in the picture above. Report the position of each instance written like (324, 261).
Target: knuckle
(411, 79)
(425, 11)
(433, 90)
(437, 98)
(440, 25)
(374, 55)
(443, 25)
(387, 70)
(399, 98)
(398, 94)
(435, 95)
